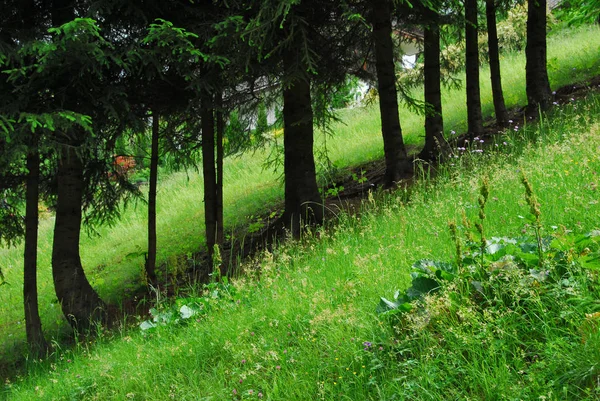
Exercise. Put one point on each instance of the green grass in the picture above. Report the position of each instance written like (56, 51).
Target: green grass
(250, 190)
(307, 328)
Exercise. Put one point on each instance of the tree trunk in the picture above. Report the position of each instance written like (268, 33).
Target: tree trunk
(474, 117)
(494, 54)
(80, 303)
(151, 258)
(303, 204)
(210, 178)
(396, 159)
(33, 325)
(435, 144)
(219, 185)
(536, 71)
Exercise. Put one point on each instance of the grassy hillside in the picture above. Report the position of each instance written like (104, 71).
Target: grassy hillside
(346, 270)
(302, 324)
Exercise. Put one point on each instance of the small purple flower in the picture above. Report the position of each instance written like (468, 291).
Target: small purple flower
(278, 367)
(260, 395)
(243, 361)
(510, 121)
(234, 391)
(452, 132)
(367, 344)
(555, 103)
(481, 141)
(554, 92)
(504, 143)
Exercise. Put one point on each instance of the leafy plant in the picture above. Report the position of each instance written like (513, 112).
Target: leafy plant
(183, 309)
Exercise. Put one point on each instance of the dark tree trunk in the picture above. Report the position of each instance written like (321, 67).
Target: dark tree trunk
(396, 159)
(435, 144)
(494, 54)
(210, 178)
(33, 325)
(536, 71)
(303, 204)
(474, 116)
(151, 258)
(219, 189)
(80, 303)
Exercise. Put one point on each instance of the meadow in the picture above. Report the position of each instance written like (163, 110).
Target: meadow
(303, 324)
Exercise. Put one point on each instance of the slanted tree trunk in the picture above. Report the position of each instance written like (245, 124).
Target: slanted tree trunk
(435, 144)
(33, 325)
(302, 200)
(536, 71)
(494, 55)
(153, 182)
(210, 178)
(396, 159)
(80, 303)
(474, 116)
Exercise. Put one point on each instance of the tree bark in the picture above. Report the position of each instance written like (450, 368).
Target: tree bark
(494, 55)
(303, 204)
(536, 71)
(210, 178)
(435, 144)
(219, 185)
(80, 303)
(396, 159)
(33, 325)
(152, 190)
(474, 116)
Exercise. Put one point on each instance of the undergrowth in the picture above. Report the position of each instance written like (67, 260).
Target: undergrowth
(507, 318)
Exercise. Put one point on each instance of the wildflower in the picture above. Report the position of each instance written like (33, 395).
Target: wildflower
(243, 361)
(452, 132)
(234, 391)
(510, 121)
(278, 367)
(481, 141)
(250, 391)
(572, 99)
(555, 103)
(476, 138)
(504, 143)
(260, 395)
(380, 348)
(554, 92)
